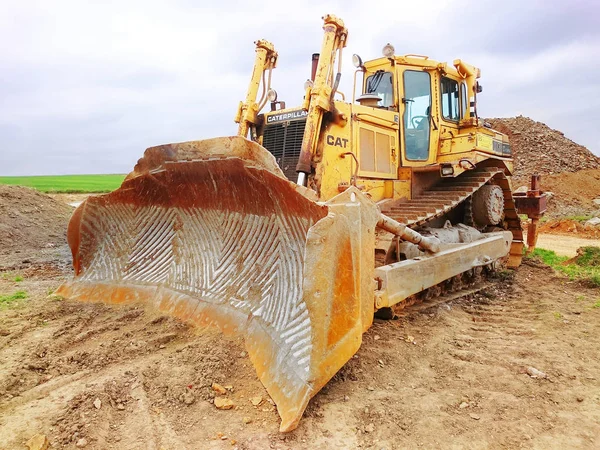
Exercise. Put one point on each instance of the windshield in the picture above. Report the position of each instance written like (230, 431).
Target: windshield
(380, 84)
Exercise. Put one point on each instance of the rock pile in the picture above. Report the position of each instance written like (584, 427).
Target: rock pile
(538, 148)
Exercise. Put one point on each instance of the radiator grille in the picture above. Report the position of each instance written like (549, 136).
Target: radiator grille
(284, 141)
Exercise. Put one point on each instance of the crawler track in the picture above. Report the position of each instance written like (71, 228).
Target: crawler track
(449, 193)
(467, 283)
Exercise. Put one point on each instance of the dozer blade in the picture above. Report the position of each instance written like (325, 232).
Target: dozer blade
(211, 232)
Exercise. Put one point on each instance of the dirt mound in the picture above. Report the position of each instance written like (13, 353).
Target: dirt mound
(570, 227)
(575, 194)
(31, 222)
(538, 148)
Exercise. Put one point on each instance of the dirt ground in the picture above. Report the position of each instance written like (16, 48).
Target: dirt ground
(452, 376)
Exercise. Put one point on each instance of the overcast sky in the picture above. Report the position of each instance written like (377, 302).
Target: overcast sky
(86, 86)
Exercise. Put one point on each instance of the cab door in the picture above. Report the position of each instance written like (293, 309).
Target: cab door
(416, 109)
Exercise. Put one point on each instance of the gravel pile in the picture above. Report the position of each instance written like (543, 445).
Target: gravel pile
(538, 148)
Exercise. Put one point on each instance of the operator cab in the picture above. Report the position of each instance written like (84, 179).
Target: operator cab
(428, 97)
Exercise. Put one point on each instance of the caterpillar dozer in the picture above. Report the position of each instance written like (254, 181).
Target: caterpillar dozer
(297, 230)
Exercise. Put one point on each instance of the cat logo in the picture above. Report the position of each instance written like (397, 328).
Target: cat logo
(336, 141)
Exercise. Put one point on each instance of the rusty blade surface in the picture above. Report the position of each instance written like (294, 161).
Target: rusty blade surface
(226, 241)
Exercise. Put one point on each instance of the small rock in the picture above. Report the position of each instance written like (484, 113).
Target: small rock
(369, 428)
(376, 337)
(161, 346)
(597, 201)
(346, 398)
(370, 388)
(463, 405)
(97, 403)
(579, 399)
(219, 389)
(474, 416)
(593, 222)
(410, 339)
(188, 397)
(247, 420)
(120, 406)
(256, 400)
(223, 403)
(38, 442)
(81, 443)
(534, 373)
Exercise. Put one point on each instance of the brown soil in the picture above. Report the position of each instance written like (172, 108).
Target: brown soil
(454, 375)
(570, 227)
(573, 193)
(538, 148)
(32, 226)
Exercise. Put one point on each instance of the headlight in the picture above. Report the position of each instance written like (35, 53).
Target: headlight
(447, 170)
(389, 50)
(272, 95)
(357, 61)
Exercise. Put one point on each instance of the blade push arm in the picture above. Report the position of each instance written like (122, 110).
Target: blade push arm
(334, 40)
(265, 61)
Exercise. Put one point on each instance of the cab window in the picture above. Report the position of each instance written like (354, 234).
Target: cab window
(450, 103)
(380, 84)
(417, 114)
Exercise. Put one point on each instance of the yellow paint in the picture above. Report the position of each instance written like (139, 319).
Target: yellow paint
(266, 59)
(484, 142)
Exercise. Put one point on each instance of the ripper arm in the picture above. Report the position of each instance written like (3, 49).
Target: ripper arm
(265, 61)
(324, 85)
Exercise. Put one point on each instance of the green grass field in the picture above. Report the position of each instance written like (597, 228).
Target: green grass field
(68, 183)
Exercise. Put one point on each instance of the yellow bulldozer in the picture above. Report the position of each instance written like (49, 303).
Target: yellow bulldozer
(295, 232)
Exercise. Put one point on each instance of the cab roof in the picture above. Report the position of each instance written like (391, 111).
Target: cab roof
(458, 68)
